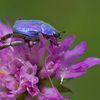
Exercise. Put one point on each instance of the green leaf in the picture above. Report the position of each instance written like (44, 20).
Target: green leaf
(64, 89)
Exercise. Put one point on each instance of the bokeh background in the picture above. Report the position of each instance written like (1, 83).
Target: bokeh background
(79, 17)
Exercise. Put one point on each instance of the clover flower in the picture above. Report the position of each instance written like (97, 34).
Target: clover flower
(23, 69)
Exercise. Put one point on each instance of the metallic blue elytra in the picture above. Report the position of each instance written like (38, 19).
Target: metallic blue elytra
(32, 28)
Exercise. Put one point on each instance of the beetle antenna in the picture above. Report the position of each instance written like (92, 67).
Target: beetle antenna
(60, 33)
(63, 32)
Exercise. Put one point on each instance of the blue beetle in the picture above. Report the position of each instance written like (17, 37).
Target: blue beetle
(30, 29)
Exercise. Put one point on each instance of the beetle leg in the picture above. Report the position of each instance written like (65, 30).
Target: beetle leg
(5, 37)
(53, 41)
(14, 43)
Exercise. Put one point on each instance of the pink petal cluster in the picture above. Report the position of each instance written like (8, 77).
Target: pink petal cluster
(22, 68)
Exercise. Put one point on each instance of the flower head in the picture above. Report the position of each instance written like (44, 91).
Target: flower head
(23, 69)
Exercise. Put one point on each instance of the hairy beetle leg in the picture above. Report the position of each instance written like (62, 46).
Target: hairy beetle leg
(14, 43)
(5, 37)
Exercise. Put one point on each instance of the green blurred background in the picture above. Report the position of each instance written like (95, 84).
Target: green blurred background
(79, 17)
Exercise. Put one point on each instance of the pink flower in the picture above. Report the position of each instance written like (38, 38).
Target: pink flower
(24, 69)
(61, 62)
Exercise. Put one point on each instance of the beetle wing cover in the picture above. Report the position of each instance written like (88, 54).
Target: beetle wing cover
(27, 27)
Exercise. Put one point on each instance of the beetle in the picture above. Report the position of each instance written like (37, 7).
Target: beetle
(30, 30)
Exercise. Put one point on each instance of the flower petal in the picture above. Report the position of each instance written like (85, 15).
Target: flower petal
(4, 29)
(33, 91)
(27, 73)
(48, 69)
(66, 43)
(71, 55)
(80, 68)
(50, 94)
